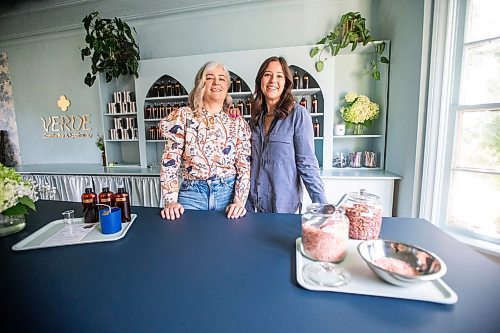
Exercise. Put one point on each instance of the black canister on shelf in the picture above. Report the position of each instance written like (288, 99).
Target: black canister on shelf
(122, 200)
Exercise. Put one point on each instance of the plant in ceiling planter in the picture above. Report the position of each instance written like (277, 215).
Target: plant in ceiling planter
(350, 31)
(111, 47)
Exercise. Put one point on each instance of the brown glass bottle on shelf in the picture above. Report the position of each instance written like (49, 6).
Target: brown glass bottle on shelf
(231, 84)
(305, 81)
(89, 206)
(317, 128)
(240, 105)
(122, 201)
(161, 89)
(163, 112)
(248, 108)
(106, 196)
(147, 111)
(168, 108)
(303, 102)
(237, 84)
(177, 89)
(314, 104)
(296, 79)
(155, 90)
(169, 88)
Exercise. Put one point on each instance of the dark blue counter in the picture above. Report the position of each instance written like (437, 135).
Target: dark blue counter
(205, 273)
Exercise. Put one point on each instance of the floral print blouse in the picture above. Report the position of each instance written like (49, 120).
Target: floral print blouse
(214, 147)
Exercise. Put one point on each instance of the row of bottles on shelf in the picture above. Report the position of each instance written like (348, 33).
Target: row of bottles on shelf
(160, 110)
(357, 159)
(90, 201)
(314, 104)
(245, 108)
(166, 89)
(154, 133)
(123, 102)
(235, 84)
(300, 84)
(124, 129)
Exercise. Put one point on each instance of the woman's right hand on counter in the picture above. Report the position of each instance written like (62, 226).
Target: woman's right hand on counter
(172, 211)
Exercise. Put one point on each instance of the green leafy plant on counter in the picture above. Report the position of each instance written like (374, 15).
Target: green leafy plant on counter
(111, 48)
(350, 31)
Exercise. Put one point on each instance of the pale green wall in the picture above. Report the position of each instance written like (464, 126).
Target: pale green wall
(45, 65)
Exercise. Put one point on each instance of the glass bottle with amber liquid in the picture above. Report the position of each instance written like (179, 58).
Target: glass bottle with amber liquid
(168, 88)
(305, 81)
(314, 104)
(177, 89)
(303, 102)
(161, 89)
(296, 80)
(248, 108)
(106, 196)
(89, 206)
(237, 85)
(240, 105)
(122, 201)
(317, 128)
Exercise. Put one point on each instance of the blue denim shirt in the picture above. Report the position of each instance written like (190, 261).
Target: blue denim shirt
(280, 161)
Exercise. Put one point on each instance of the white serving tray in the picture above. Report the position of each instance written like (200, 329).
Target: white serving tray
(365, 282)
(37, 240)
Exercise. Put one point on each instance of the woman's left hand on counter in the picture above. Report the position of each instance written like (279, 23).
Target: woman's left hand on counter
(235, 210)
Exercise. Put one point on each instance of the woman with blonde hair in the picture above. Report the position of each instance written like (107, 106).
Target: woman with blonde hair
(210, 149)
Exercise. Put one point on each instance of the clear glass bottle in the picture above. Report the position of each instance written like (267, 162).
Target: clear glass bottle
(364, 212)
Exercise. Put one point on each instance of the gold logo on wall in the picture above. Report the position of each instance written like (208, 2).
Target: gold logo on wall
(63, 103)
(67, 126)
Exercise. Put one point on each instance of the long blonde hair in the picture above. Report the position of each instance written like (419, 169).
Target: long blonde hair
(196, 95)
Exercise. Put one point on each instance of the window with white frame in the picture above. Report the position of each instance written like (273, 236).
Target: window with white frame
(470, 184)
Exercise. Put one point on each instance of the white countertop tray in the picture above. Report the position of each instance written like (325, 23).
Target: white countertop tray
(42, 237)
(365, 282)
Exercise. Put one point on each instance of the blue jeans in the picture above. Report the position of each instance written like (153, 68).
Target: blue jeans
(214, 194)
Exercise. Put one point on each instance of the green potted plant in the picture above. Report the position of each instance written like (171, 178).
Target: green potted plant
(111, 48)
(350, 31)
(100, 145)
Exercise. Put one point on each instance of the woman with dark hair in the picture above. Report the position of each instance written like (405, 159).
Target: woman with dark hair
(211, 150)
(282, 145)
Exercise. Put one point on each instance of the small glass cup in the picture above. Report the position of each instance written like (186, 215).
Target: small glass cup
(69, 216)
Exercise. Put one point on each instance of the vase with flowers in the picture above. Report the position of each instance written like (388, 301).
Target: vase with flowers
(16, 197)
(359, 112)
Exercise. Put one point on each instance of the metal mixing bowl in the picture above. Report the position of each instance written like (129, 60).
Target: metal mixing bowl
(399, 263)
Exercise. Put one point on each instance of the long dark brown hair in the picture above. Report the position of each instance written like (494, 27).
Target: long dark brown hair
(286, 101)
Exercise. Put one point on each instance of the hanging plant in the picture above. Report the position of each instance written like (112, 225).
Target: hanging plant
(350, 31)
(111, 48)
